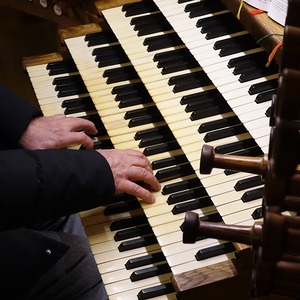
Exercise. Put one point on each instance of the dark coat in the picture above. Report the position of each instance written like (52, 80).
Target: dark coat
(36, 186)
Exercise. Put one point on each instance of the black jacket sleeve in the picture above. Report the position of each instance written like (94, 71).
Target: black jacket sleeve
(43, 184)
(16, 114)
(40, 185)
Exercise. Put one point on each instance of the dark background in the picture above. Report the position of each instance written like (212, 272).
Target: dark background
(23, 35)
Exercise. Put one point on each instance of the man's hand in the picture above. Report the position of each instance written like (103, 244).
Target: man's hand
(57, 132)
(128, 168)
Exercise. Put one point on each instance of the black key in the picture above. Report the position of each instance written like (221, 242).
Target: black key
(150, 24)
(147, 19)
(66, 80)
(147, 119)
(213, 94)
(269, 111)
(111, 59)
(257, 213)
(132, 100)
(152, 28)
(203, 104)
(183, 56)
(155, 139)
(183, 1)
(191, 205)
(174, 172)
(189, 81)
(61, 67)
(150, 272)
(253, 195)
(103, 144)
(108, 50)
(217, 124)
(137, 243)
(235, 146)
(128, 88)
(254, 74)
(215, 21)
(203, 7)
(246, 68)
(140, 112)
(263, 86)
(121, 207)
(144, 260)
(129, 222)
(211, 111)
(151, 141)
(224, 29)
(120, 74)
(116, 71)
(234, 45)
(133, 96)
(155, 291)
(162, 41)
(169, 161)
(248, 59)
(223, 133)
(160, 148)
(265, 96)
(71, 91)
(178, 54)
(152, 132)
(180, 186)
(137, 8)
(187, 195)
(248, 183)
(95, 118)
(232, 49)
(77, 105)
(132, 232)
(176, 66)
(100, 38)
(64, 86)
(219, 25)
(214, 251)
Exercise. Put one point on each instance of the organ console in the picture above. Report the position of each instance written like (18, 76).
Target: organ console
(168, 77)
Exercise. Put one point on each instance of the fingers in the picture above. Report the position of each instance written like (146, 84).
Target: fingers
(80, 124)
(76, 138)
(130, 167)
(76, 130)
(138, 174)
(139, 159)
(138, 191)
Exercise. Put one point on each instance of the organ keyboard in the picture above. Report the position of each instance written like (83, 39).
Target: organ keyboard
(134, 82)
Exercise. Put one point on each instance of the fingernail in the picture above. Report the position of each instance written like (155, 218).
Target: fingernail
(153, 199)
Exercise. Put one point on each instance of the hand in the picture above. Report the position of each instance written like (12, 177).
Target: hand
(57, 131)
(128, 168)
